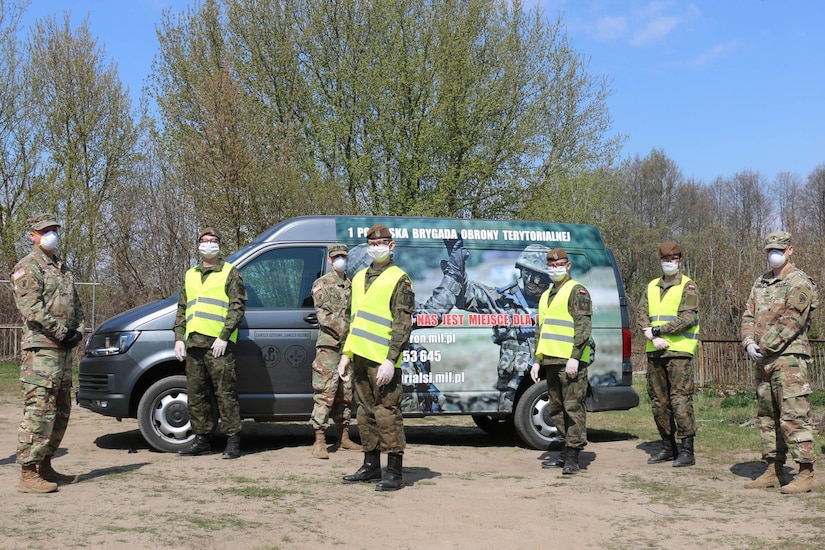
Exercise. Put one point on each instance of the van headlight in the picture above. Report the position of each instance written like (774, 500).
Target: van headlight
(110, 343)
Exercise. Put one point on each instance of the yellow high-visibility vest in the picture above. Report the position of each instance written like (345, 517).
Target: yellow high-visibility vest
(662, 311)
(557, 325)
(207, 302)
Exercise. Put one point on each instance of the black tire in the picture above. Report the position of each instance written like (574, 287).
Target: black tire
(494, 425)
(532, 418)
(163, 415)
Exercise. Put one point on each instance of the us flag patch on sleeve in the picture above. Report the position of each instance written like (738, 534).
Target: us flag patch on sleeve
(17, 274)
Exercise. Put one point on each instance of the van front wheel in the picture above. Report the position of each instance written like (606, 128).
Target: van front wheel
(163, 415)
(532, 418)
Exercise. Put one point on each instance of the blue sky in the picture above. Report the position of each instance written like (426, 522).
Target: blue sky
(721, 86)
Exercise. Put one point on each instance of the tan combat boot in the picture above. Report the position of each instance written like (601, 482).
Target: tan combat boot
(319, 450)
(771, 478)
(47, 472)
(31, 482)
(344, 442)
(802, 483)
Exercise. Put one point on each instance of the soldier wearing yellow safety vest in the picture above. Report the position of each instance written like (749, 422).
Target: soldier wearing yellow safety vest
(668, 315)
(211, 306)
(563, 350)
(382, 306)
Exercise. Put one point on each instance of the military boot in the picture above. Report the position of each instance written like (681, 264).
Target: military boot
(571, 462)
(667, 452)
(803, 482)
(771, 478)
(686, 457)
(319, 449)
(199, 446)
(47, 472)
(369, 471)
(391, 481)
(233, 447)
(557, 462)
(344, 442)
(31, 482)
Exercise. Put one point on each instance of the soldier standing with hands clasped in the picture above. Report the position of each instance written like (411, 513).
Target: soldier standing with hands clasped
(775, 336)
(332, 295)
(53, 325)
(668, 315)
(382, 306)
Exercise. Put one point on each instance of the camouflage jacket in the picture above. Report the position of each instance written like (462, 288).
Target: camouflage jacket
(46, 297)
(402, 306)
(777, 314)
(686, 316)
(332, 296)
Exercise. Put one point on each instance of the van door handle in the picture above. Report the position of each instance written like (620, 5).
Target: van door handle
(312, 319)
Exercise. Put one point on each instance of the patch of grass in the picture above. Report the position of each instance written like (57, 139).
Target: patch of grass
(257, 492)
(9, 377)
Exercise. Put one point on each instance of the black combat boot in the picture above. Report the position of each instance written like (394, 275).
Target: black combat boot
(370, 471)
(667, 452)
(233, 447)
(199, 446)
(571, 462)
(392, 475)
(685, 457)
(557, 462)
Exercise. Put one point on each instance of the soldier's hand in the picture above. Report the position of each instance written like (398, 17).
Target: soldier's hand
(457, 257)
(218, 347)
(660, 343)
(534, 372)
(72, 338)
(180, 350)
(343, 363)
(754, 353)
(572, 368)
(648, 333)
(385, 373)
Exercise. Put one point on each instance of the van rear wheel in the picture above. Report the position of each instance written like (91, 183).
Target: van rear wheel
(532, 418)
(163, 415)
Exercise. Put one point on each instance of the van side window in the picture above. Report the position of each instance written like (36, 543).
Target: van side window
(282, 278)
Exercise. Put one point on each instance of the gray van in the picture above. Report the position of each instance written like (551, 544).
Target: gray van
(471, 346)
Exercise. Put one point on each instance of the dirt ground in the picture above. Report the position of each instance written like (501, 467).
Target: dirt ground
(465, 489)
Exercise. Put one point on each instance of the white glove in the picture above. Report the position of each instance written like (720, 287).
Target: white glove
(343, 363)
(648, 333)
(385, 373)
(660, 343)
(534, 372)
(572, 368)
(180, 350)
(218, 347)
(754, 353)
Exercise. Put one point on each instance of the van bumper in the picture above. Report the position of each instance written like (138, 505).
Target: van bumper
(612, 398)
(100, 387)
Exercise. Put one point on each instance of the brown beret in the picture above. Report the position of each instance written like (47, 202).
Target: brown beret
(209, 231)
(335, 250)
(378, 231)
(670, 248)
(40, 222)
(778, 240)
(556, 254)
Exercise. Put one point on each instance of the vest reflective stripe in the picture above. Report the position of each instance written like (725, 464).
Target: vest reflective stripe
(206, 312)
(662, 311)
(557, 325)
(371, 326)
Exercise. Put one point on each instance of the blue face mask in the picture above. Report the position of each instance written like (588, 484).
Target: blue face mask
(776, 258)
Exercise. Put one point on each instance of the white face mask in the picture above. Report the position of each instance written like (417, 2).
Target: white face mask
(209, 250)
(48, 241)
(670, 268)
(339, 264)
(776, 258)
(379, 252)
(557, 273)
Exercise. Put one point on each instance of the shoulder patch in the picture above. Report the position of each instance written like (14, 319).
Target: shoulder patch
(799, 298)
(406, 281)
(582, 292)
(691, 286)
(316, 288)
(17, 274)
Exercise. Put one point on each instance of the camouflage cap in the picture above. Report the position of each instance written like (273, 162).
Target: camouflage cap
(670, 248)
(378, 231)
(335, 250)
(41, 221)
(533, 257)
(209, 231)
(556, 254)
(778, 240)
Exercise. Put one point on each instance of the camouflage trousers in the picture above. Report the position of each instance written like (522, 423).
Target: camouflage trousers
(514, 359)
(333, 396)
(380, 423)
(784, 409)
(46, 403)
(671, 387)
(211, 379)
(566, 404)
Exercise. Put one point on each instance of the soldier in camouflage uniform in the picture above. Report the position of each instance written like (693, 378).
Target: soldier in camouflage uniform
(53, 325)
(211, 307)
(332, 294)
(565, 325)
(382, 306)
(668, 315)
(774, 335)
